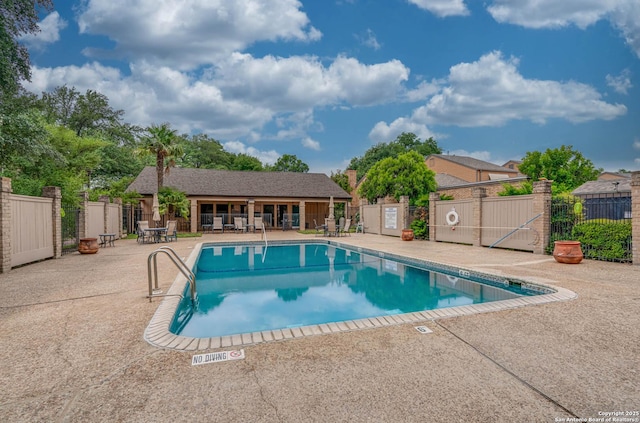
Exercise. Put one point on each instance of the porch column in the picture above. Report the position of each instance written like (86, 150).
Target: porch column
(251, 212)
(478, 194)
(194, 216)
(303, 216)
(542, 204)
(635, 217)
(5, 226)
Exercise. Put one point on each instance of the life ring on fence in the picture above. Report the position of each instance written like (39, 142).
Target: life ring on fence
(452, 218)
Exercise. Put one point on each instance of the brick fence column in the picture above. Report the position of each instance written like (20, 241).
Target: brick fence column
(477, 194)
(83, 220)
(5, 226)
(404, 207)
(542, 205)
(120, 232)
(56, 217)
(434, 197)
(635, 217)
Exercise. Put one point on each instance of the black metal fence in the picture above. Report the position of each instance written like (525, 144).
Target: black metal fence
(70, 229)
(419, 221)
(601, 222)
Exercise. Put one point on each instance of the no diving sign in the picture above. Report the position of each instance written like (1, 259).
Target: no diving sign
(217, 357)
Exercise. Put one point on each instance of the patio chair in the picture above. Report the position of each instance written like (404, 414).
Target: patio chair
(259, 223)
(239, 224)
(172, 231)
(344, 230)
(331, 228)
(319, 228)
(143, 236)
(217, 225)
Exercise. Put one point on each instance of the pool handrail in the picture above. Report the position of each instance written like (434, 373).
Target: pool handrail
(154, 290)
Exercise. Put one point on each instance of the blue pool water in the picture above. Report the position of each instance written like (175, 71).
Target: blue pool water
(250, 288)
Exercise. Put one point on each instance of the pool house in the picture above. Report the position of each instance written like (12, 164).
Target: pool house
(284, 200)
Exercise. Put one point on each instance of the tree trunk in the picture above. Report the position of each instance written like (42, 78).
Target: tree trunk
(160, 170)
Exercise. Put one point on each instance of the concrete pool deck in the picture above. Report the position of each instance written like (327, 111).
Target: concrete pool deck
(72, 348)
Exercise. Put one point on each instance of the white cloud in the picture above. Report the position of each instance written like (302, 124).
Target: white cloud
(239, 96)
(480, 155)
(237, 147)
(383, 132)
(185, 35)
(623, 15)
(309, 143)
(423, 91)
(50, 28)
(491, 92)
(369, 39)
(636, 143)
(621, 83)
(294, 82)
(443, 8)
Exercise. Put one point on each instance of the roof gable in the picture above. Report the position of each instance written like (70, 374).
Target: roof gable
(230, 183)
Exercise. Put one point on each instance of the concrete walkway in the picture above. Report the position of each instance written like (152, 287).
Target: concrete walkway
(71, 350)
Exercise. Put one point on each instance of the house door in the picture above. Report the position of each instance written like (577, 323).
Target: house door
(283, 218)
(267, 214)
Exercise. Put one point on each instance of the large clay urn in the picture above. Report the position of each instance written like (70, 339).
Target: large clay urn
(567, 252)
(407, 234)
(88, 245)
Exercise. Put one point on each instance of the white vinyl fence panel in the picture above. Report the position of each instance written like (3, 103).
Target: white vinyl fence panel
(31, 229)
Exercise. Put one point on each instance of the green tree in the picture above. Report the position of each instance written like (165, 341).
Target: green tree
(173, 201)
(341, 179)
(566, 167)
(22, 131)
(87, 114)
(405, 142)
(289, 163)
(164, 144)
(406, 174)
(200, 151)
(246, 162)
(17, 18)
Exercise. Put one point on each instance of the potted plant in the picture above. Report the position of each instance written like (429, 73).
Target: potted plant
(407, 234)
(567, 252)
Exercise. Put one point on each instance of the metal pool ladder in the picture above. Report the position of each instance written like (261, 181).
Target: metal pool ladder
(154, 290)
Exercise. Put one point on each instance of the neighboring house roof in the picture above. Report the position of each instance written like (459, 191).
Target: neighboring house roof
(230, 183)
(608, 176)
(445, 180)
(473, 163)
(603, 187)
(465, 184)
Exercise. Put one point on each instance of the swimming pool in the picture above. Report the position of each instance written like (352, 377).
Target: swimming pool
(158, 333)
(252, 288)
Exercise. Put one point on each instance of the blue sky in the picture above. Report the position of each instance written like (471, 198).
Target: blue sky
(326, 80)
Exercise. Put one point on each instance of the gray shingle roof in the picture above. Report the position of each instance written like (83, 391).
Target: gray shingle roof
(445, 180)
(229, 183)
(604, 187)
(474, 163)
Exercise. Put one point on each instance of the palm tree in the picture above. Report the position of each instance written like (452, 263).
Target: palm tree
(164, 143)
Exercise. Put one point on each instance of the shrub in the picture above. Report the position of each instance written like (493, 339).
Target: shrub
(420, 229)
(604, 240)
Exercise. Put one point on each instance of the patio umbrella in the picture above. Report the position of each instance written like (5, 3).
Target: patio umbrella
(156, 209)
(331, 215)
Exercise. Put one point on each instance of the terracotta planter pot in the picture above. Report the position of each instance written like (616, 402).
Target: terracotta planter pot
(567, 252)
(88, 245)
(407, 234)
